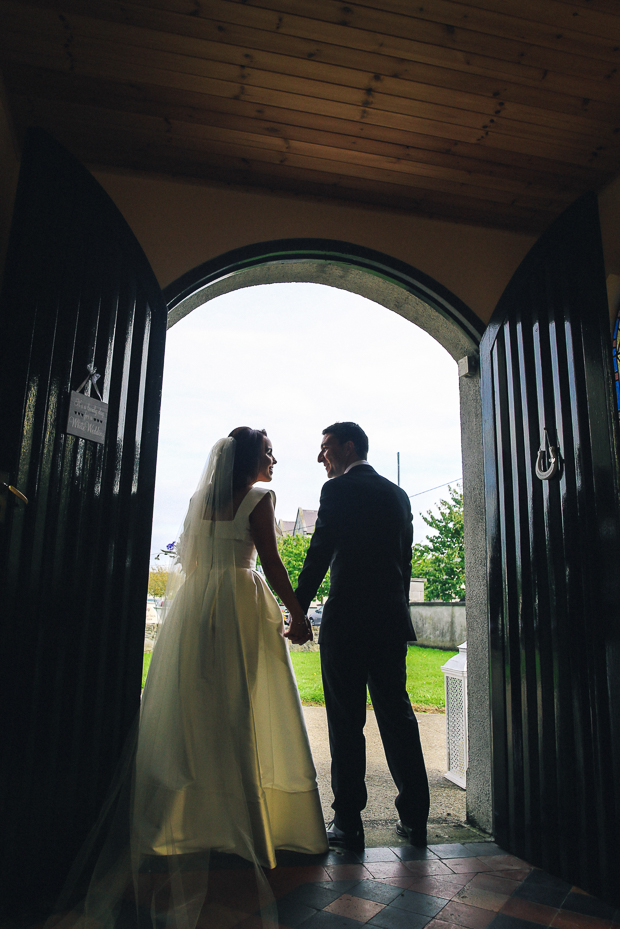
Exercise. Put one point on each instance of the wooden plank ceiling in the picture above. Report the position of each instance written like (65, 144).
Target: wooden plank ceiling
(495, 112)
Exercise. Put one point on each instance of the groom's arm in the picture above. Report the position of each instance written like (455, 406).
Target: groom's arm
(319, 554)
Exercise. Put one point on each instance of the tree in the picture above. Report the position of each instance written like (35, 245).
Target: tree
(293, 550)
(441, 559)
(158, 578)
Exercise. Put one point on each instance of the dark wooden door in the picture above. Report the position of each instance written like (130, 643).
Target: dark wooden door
(553, 557)
(74, 562)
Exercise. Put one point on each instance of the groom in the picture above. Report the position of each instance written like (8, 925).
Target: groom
(364, 533)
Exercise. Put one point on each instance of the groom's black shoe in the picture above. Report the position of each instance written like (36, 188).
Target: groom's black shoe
(416, 837)
(353, 840)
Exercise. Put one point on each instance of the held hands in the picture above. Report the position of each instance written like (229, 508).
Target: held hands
(299, 630)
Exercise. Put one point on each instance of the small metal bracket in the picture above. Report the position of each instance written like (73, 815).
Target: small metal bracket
(468, 366)
(547, 460)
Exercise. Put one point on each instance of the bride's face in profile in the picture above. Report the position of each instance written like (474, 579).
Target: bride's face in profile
(266, 463)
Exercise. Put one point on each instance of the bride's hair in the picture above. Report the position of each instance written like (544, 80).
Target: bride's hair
(248, 451)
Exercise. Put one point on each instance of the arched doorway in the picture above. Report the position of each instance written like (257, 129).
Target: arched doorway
(426, 303)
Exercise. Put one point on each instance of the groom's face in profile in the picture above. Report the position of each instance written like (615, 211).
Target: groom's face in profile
(336, 457)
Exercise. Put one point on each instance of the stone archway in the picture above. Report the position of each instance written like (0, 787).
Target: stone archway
(426, 303)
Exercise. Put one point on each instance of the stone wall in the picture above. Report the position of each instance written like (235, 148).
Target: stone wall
(439, 625)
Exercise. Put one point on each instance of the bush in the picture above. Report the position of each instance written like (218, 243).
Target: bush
(158, 578)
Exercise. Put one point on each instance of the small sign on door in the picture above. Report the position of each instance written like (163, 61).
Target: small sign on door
(87, 417)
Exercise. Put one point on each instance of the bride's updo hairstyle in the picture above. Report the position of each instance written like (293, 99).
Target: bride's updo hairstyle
(248, 452)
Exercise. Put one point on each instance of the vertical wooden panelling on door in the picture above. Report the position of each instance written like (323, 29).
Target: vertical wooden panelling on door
(553, 555)
(74, 562)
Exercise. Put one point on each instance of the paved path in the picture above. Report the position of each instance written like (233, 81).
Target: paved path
(447, 815)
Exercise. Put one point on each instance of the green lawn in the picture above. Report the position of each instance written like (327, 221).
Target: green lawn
(425, 682)
(145, 666)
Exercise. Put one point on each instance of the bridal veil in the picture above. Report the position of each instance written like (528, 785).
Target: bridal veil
(184, 794)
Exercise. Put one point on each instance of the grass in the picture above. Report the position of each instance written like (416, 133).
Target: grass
(425, 682)
(145, 666)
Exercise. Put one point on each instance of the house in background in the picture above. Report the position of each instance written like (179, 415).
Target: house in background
(303, 524)
(286, 526)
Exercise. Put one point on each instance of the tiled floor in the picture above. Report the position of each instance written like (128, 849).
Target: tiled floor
(473, 886)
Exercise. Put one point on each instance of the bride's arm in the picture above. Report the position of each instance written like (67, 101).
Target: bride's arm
(263, 529)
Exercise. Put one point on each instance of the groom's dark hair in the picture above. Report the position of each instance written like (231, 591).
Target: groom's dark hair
(248, 451)
(350, 432)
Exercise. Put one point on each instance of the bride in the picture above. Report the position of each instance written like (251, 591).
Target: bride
(223, 758)
(222, 762)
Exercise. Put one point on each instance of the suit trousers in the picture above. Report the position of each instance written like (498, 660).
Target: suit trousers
(347, 669)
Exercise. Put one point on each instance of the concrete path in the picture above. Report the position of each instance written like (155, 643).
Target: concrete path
(447, 815)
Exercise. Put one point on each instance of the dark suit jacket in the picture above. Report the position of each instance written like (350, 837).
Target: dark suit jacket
(363, 533)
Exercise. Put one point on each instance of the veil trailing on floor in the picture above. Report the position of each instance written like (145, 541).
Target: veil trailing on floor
(167, 824)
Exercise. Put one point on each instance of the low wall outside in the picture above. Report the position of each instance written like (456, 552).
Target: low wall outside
(439, 625)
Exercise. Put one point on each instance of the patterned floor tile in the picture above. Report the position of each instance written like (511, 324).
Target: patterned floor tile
(504, 921)
(341, 856)
(452, 878)
(297, 875)
(378, 854)
(428, 867)
(543, 888)
(484, 848)
(403, 882)
(323, 920)
(440, 924)
(378, 891)
(412, 853)
(390, 918)
(342, 872)
(566, 919)
(388, 869)
(514, 874)
(435, 887)
(466, 865)
(479, 887)
(289, 859)
(292, 913)
(342, 887)
(477, 896)
(453, 850)
(314, 895)
(469, 917)
(355, 908)
(506, 862)
(527, 909)
(413, 902)
(495, 882)
(580, 902)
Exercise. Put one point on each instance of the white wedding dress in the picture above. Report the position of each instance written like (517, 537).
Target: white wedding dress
(223, 761)
(219, 761)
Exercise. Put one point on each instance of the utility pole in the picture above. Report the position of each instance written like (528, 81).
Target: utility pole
(398, 466)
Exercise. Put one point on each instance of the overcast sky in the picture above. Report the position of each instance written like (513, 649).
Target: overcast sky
(293, 358)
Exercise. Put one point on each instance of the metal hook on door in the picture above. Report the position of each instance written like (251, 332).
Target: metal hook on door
(15, 491)
(547, 460)
(4, 487)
